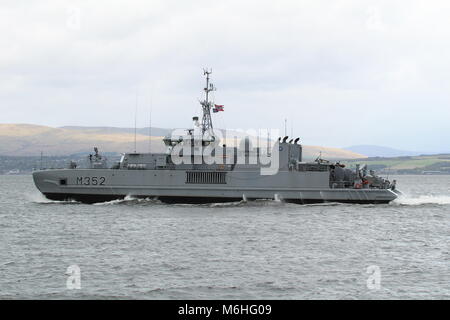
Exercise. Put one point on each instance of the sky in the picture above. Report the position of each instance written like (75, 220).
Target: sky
(341, 72)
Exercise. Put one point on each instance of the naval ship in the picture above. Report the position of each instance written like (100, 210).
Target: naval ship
(198, 167)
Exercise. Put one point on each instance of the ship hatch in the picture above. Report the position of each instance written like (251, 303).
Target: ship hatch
(205, 177)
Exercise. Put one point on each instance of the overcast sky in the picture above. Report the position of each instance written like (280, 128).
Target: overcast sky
(342, 72)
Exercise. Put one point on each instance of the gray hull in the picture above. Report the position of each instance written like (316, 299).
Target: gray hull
(99, 185)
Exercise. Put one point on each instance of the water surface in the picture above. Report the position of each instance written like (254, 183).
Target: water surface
(143, 249)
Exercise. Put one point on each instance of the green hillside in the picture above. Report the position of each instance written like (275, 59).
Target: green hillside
(407, 165)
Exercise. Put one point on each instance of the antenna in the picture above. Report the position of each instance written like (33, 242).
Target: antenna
(285, 126)
(292, 128)
(206, 105)
(135, 119)
(150, 124)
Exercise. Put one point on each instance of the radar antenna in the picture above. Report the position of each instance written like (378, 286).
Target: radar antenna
(207, 125)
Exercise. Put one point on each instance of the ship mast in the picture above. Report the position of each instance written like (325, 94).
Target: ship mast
(207, 125)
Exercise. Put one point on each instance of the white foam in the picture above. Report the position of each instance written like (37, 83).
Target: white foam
(116, 201)
(128, 199)
(109, 202)
(424, 199)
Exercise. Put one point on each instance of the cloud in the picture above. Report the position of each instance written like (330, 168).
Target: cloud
(346, 72)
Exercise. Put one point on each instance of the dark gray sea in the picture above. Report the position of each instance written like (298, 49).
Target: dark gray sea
(143, 249)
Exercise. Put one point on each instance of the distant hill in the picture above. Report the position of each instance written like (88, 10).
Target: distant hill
(328, 153)
(30, 140)
(111, 130)
(379, 151)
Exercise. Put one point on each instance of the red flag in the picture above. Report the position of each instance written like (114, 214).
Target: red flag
(218, 107)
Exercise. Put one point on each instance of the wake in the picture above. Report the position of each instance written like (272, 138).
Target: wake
(421, 200)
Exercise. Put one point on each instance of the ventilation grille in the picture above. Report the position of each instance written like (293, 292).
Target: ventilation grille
(205, 177)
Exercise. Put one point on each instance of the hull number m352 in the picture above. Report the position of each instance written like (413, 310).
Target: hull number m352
(91, 181)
